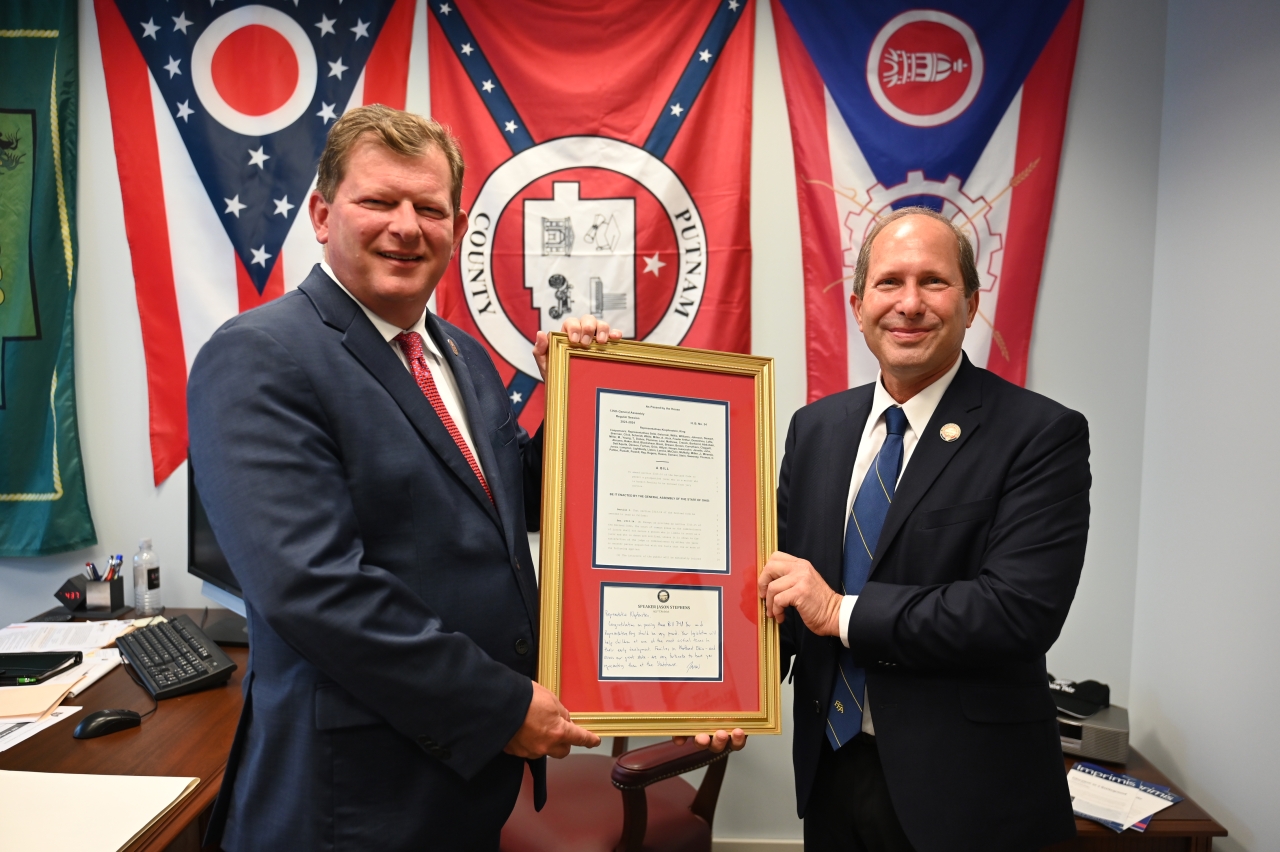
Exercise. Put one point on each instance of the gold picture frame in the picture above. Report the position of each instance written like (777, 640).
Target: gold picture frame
(766, 718)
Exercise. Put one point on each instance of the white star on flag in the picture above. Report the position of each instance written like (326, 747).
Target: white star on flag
(466, 49)
(184, 110)
(149, 29)
(259, 157)
(326, 25)
(487, 85)
(336, 68)
(326, 112)
(260, 256)
(653, 264)
(234, 206)
(704, 56)
(361, 29)
(172, 67)
(181, 23)
(510, 127)
(282, 206)
(516, 396)
(676, 109)
(445, 8)
(733, 5)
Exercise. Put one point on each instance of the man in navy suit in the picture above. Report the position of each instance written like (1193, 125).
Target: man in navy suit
(931, 529)
(364, 473)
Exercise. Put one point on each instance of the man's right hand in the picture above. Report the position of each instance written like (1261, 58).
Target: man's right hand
(547, 729)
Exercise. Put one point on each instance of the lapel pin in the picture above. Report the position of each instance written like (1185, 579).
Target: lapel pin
(454, 347)
(949, 432)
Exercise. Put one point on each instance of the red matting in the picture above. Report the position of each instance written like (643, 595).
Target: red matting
(581, 690)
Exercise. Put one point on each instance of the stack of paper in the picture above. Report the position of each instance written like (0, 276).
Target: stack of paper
(50, 812)
(12, 733)
(1117, 801)
(35, 636)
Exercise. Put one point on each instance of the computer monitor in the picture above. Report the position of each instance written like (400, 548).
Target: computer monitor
(206, 561)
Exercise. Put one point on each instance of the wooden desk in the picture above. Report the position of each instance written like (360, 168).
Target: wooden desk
(1184, 827)
(187, 736)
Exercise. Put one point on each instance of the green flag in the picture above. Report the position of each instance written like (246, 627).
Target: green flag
(43, 507)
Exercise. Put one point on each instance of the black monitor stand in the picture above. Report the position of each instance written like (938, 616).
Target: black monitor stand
(231, 629)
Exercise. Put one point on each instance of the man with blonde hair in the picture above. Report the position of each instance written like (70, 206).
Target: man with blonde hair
(363, 471)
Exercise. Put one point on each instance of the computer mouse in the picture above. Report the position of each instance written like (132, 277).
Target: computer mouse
(106, 722)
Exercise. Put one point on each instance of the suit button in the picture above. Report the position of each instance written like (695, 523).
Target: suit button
(522, 646)
(817, 708)
(426, 742)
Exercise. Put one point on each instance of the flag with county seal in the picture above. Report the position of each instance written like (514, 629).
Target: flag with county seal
(43, 506)
(608, 165)
(959, 106)
(219, 113)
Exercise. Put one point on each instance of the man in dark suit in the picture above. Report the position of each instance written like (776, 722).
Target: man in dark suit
(932, 529)
(364, 473)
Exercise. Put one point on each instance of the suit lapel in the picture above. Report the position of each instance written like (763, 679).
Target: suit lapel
(961, 405)
(364, 342)
(482, 444)
(835, 477)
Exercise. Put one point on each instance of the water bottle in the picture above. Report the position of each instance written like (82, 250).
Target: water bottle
(146, 581)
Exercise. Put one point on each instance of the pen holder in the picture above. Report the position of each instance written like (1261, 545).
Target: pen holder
(94, 600)
(104, 595)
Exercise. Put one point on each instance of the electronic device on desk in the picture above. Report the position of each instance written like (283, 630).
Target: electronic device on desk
(175, 657)
(1089, 725)
(206, 561)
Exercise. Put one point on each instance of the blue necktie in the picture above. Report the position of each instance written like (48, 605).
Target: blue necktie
(844, 716)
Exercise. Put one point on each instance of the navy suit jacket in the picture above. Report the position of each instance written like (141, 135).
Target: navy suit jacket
(393, 609)
(974, 571)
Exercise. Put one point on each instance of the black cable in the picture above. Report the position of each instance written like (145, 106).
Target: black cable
(206, 609)
(128, 667)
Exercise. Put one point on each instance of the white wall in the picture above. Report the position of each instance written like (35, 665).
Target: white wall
(1204, 685)
(1093, 350)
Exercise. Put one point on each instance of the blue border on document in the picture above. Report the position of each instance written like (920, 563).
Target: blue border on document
(719, 590)
(728, 490)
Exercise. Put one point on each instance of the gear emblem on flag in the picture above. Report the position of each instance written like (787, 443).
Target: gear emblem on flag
(969, 214)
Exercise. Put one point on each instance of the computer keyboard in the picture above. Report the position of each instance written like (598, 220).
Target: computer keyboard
(175, 657)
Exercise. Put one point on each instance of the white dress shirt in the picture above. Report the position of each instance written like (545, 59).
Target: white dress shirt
(440, 371)
(919, 409)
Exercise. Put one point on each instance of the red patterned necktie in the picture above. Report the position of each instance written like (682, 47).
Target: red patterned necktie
(411, 344)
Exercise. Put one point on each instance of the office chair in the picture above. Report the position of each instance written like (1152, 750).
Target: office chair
(634, 801)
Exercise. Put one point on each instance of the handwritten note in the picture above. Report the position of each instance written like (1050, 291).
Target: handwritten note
(653, 632)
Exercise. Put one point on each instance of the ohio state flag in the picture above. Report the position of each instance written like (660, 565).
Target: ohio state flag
(961, 107)
(608, 166)
(219, 113)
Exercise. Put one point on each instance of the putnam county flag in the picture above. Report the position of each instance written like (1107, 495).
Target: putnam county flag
(219, 113)
(43, 506)
(959, 106)
(608, 168)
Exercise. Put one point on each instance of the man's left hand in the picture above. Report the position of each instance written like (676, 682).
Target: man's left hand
(718, 741)
(788, 581)
(582, 333)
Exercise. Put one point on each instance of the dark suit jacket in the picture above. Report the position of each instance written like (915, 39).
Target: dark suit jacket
(972, 577)
(393, 610)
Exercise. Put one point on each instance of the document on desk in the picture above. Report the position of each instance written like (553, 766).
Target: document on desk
(661, 483)
(31, 636)
(12, 733)
(1117, 801)
(22, 703)
(52, 812)
(96, 665)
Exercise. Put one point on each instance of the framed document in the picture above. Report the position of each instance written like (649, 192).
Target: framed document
(657, 515)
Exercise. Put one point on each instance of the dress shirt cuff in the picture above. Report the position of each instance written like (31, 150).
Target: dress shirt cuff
(846, 609)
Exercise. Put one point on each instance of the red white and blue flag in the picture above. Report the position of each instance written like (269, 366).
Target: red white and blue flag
(960, 106)
(608, 166)
(219, 112)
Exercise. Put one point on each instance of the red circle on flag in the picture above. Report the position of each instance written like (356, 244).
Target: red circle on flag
(925, 68)
(255, 70)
